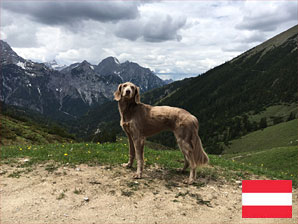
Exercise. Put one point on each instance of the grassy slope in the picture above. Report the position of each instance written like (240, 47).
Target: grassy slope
(283, 134)
(14, 132)
(281, 110)
(117, 153)
(281, 159)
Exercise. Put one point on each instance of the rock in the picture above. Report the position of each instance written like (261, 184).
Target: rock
(86, 199)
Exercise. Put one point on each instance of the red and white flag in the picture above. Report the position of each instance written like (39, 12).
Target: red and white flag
(266, 199)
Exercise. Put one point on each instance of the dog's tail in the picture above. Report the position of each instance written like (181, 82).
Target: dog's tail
(200, 155)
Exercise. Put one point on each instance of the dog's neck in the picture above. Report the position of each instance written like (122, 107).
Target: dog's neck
(126, 107)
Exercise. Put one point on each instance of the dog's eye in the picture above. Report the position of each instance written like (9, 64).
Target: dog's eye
(132, 87)
(124, 85)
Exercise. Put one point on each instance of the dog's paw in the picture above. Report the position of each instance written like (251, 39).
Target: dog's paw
(126, 165)
(189, 181)
(137, 176)
(181, 170)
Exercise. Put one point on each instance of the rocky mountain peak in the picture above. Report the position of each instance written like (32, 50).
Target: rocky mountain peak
(9, 56)
(109, 61)
(54, 65)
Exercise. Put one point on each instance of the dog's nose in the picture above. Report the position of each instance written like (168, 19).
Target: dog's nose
(127, 92)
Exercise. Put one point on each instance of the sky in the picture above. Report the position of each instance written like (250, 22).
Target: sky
(175, 39)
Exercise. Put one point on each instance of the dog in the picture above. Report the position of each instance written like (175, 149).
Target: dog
(140, 120)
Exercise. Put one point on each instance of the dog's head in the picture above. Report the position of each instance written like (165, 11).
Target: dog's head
(127, 91)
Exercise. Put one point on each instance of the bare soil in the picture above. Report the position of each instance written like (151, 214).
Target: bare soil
(103, 194)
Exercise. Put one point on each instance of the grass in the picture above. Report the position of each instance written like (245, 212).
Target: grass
(280, 135)
(61, 196)
(117, 153)
(281, 110)
(14, 131)
(285, 157)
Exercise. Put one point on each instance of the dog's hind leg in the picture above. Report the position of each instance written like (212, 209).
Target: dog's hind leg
(187, 150)
(186, 164)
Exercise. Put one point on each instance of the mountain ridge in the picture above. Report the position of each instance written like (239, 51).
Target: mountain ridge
(59, 91)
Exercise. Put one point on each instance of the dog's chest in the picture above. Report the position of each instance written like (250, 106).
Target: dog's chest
(126, 126)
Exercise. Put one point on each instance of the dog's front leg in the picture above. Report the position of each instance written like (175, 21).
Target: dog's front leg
(131, 153)
(139, 147)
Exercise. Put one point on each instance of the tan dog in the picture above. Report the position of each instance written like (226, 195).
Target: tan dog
(140, 120)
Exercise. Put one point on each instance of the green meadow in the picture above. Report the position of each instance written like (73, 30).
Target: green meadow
(280, 135)
(112, 154)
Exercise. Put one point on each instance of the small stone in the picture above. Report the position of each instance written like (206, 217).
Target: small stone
(78, 169)
(86, 199)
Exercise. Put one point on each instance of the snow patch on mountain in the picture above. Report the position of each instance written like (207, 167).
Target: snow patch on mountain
(21, 64)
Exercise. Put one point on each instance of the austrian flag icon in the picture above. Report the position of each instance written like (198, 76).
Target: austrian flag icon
(266, 199)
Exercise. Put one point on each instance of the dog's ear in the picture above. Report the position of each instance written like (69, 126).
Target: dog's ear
(117, 94)
(137, 95)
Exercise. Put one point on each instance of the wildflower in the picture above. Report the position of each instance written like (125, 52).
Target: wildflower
(21, 149)
(87, 144)
(65, 154)
(145, 159)
(98, 143)
(62, 145)
(262, 164)
(233, 160)
(89, 152)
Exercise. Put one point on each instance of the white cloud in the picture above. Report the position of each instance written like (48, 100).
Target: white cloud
(169, 37)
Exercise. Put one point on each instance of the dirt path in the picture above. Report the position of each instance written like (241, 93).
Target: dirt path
(104, 194)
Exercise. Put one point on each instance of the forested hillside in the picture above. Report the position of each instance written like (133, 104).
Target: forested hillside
(19, 127)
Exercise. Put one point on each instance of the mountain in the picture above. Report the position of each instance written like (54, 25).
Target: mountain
(54, 65)
(25, 83)
(228, 98)
(69, 92)
(8, 56)
(129, 71)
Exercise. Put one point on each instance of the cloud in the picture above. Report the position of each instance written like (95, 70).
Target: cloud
(19, 33)
(71, 13)
(169, 37)
(154, 29)
(268, 18)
